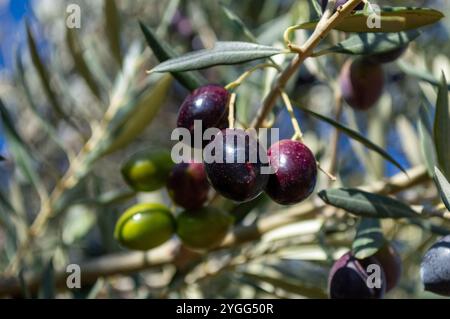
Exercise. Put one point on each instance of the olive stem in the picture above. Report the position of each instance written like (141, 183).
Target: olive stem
(327, 23)
(328, 174)
(236, 83)
(231, 110)
(287, 102)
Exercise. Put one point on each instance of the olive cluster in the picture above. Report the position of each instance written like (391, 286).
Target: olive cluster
(189, 184)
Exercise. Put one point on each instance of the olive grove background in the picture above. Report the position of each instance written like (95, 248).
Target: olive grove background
(56, 84)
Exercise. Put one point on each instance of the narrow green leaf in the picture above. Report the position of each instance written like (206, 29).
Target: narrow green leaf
(224, 53)
(96, 289)
(426, 140)
(163, 52)
(21, 153)
(113, 30)
(50, 130)
(44, 76)
(76, 50)
(371, 43)
(238, 23)
(137, 116)
(47, 285)
(366, 204)
(422, 75)
(356, 136)
(442, 129)
(392, 19)
(369, 238)
(443, 186)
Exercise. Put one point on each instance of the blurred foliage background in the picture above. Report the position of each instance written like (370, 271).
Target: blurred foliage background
(57, 83)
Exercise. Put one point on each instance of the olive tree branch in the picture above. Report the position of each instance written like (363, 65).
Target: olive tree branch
(327, 23)
(126, 263)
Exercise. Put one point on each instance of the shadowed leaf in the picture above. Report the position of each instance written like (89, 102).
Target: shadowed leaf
(371, 43)
(369, 238)
(366, 204)
(163, 52)
(442, 129)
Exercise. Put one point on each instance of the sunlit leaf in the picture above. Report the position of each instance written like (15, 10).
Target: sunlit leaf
(392, 19)
(366, 204)
(223, 53)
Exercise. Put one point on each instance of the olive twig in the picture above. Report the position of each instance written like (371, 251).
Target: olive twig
(328, 174)
(327, 23)
(287, 102)
(233, 85)
(336, 134)
(231, 110)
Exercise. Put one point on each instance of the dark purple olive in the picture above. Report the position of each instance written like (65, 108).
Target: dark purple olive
(340, 3)
(188, 185)
(387, 57)
(207, 104)
(391, 263)
(295, 172)
(235, 172)
(348, 279)
(435, 268)
(362, 83)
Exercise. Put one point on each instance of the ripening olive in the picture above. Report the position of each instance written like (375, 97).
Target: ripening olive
(295, 172)
(204, 228)
(145, 226)
(391, 263)
(362, 83)
(348, 279)
(435, 268)
(147, 171)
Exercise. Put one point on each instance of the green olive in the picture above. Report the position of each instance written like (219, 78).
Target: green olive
(145, 226)
(148, 171)
(204, 228)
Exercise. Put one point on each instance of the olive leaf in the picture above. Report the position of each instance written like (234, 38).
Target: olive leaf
(428, 150)
(391, 19)
(239, 24)
(422, 75)
(47, 284)
(163, 52)
(442, 128)
(44, 77)
(141, 111)
(356, 136)
(443, 186)
(20, 150)
(76, 50)
(112, 27)
(366, 204)
(371, 43)
(223, 53)
(369, 238)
